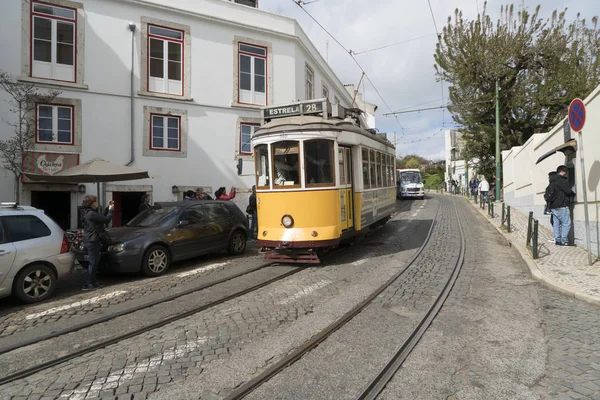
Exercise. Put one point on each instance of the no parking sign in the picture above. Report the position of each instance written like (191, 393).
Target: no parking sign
(577, 115)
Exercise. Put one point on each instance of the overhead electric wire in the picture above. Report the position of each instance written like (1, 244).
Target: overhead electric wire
(442, 77)
(390, 45)
(353, 58)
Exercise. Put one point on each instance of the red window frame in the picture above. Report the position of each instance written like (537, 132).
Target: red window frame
(178, 133)
(38, 14)
(244, 152)
(155, 36)
(266, 71)
(37, 125)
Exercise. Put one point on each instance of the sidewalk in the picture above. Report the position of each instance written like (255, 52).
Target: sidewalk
(564, 269)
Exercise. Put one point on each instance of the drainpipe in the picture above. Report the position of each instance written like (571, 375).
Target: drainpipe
(132, 94)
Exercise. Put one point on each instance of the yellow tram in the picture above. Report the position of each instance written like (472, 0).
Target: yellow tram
(321, 178)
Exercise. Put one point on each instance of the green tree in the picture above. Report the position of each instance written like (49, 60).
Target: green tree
(413, 163)
(540, 65)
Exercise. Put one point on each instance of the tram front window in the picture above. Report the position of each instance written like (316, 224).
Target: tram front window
(318, 163)
(286, 163)
(261, 155)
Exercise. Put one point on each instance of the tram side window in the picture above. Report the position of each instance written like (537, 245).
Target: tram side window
(379, 170)
(373, 168)
(286, 163)
(365, 167)
(319, 163)
(390, 171)
(262, 166)
(384, 170)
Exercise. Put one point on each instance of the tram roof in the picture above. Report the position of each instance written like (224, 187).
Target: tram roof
(316, 123)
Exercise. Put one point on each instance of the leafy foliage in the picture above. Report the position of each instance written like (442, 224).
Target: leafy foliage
(540, 65)
(21, 129)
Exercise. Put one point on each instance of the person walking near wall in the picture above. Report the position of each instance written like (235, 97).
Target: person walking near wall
(93, 236)
(559, 195)
(144, 204)
(484, 189)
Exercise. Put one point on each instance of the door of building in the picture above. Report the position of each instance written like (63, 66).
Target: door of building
(56, 205)
(127, 206)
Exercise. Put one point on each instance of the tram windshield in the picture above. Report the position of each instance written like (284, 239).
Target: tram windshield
(318, 163)
(286, 160)
(261, 155)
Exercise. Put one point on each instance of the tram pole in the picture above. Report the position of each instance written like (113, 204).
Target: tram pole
(498, 172)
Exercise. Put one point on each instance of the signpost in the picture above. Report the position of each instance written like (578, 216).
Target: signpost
(576, 119)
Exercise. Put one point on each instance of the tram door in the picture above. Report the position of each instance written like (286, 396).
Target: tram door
(346, 201)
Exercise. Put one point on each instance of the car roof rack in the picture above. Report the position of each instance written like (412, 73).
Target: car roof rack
(15, 206)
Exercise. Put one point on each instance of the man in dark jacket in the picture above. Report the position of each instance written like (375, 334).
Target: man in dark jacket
(144, 204)
(253, 214)
(559, 197)
(93, 229)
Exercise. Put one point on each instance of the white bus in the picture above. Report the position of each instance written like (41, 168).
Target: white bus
(410, 183)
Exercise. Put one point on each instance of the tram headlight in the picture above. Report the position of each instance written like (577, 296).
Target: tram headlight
(287, 221)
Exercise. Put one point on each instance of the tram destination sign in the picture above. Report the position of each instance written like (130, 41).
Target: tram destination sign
(305, 108)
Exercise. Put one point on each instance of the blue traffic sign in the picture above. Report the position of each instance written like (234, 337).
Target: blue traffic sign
(577, 115)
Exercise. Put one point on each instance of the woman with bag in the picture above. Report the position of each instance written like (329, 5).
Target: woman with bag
(94, 235)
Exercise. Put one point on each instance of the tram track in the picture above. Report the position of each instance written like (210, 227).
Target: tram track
(378, 383)
(104, 343)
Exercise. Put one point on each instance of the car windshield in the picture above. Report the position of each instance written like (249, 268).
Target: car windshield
(155, 216)
(411, 177)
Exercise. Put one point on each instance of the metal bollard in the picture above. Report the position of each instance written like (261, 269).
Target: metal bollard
(529, 228)
(503, 214)
(534, 247)
(492, 209)
(508, 218)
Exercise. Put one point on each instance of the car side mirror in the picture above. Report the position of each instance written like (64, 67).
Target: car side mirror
(424, 181)
(183, 222)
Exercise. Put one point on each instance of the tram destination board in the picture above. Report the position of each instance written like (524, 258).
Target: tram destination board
(305, 108)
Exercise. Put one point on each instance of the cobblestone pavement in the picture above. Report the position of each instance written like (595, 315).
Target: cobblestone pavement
(339, 367)
(38, 319)
(501, 335)
(142, 365)
(566, 266)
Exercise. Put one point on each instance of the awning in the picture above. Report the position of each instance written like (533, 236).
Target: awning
(566, 148)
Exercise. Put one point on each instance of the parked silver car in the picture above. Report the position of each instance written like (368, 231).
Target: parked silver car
(34, 253)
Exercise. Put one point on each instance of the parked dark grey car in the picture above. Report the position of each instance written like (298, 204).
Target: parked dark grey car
(170, 232)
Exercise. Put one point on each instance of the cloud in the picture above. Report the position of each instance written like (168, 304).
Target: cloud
(404, 73)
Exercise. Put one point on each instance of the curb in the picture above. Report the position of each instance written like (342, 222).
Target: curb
(535, 271)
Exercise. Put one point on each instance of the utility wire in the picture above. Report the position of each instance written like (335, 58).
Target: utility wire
(390, 45)
(433, 17)
(442, 78)
(353, 58)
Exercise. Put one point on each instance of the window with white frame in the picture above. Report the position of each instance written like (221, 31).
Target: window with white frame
(53, 44)
(252, 74)
(54, 124)
(325, 91)
(165, 60)
(246, 131)
(165, 132)
(310, 83)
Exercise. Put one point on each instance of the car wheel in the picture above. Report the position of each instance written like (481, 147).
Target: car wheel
(156, 261)
(35, 283)
(237, 243)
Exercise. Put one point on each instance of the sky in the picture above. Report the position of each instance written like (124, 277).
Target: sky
(403, 72)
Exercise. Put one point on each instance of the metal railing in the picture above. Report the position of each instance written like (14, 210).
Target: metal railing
(505, 221)
(532, 235)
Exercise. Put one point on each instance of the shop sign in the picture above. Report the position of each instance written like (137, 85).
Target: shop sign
(48, 163)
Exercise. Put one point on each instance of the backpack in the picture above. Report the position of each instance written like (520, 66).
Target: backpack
(550, 193)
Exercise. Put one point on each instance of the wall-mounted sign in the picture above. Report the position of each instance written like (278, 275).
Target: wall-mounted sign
(48, 163)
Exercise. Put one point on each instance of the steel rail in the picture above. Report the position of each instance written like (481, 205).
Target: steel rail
(139, 307)
(40, 367)
(376, 386)
(291, 358)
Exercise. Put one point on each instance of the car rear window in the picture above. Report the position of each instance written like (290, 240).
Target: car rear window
(24, 227)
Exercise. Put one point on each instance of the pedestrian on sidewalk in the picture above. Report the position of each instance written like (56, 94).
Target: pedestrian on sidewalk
(484, 189)
(251, 209)
(551, 177)
(559, 196)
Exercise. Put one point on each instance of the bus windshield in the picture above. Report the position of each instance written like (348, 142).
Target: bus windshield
(410, 177)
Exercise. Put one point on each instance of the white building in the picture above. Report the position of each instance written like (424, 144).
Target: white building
(170, 87)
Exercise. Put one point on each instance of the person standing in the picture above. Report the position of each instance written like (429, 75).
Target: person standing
(559, 196)
(473, 185)
(221, 194)
(93, 233)
(144, 204)
(484, 189)
(253, 214)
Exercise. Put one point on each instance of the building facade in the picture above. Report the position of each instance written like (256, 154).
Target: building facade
(172, 89)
